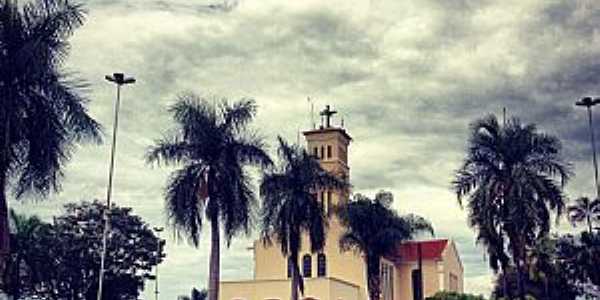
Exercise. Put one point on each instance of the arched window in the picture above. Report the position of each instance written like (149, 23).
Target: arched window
(329, 151)
(321, 265)
(307, 266)
(322, 152)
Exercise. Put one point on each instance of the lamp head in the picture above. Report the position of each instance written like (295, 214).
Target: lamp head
(119, 78)
(585, 101)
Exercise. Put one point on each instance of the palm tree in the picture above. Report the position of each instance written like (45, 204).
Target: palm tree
(42, 114)
(198, 295)
(375, 229)
(290, 207)
(24, 238)
(213, 145)
(513, 177)
(584, 210)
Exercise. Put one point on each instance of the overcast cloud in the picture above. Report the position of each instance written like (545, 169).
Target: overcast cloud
(407, 77)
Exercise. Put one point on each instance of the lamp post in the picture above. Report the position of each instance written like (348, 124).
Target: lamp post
(588, 102)
(158, 241)
(119, 79)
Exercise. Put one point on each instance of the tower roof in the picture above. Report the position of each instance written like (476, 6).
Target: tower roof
(327, 130)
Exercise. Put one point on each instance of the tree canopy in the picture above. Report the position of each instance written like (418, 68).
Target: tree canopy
(375, 229)
(43, 112)
(512, 178)
(213, 145)
(60, 260)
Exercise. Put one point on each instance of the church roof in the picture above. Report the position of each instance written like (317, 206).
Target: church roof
(328, 129)
(430, 250)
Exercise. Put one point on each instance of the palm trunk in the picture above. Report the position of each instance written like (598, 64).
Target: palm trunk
(295, 276)
(546, 288)
(520, 272)
(505, 284)
(4, 230)
(373, 277)
(214, 264)
(521, 284)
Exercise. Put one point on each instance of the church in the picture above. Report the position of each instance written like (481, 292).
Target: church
(336, 275)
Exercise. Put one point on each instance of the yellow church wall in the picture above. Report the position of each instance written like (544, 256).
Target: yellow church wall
(403, 286)
(315, 288)
(436, 274)
(453, 266)
(271, 264)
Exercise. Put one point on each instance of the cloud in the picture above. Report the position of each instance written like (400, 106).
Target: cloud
(407, 77)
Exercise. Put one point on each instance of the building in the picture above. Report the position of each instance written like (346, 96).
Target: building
(336, 275)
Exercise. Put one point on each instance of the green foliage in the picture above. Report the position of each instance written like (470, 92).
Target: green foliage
(512, 178)
(212, 144)
(195, 295)
(199, 295)
(290, 207)
(584, 211)
(61, 260)
(547, 277)
(42, 112)
(454, 296)
(375, 229)
(581, 257)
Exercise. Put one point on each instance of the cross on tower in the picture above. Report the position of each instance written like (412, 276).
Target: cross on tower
(327, 112)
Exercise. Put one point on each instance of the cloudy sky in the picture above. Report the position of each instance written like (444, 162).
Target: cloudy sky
(407, 76)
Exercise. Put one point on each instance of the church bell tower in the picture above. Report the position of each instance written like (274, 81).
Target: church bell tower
(329, 144)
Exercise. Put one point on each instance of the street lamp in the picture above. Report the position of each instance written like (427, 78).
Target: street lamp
(588, 102)
(158, 241)
(119, 79)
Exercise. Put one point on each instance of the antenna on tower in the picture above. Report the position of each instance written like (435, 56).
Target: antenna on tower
(312, 113)
(504, 116)
(342, 122)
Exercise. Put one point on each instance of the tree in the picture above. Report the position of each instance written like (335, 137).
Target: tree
(581, 257)
(199, 295)
(546, 279)
(513, 177)
(212, 143)
(290, 207)
(454, 296)
(61, 261)
(25, 234)
(585, 211)
(195, 295)
(375, 229)
(42, 113)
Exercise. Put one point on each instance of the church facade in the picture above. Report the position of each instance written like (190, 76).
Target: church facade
(336, 275)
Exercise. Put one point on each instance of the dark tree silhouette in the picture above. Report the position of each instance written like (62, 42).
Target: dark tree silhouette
(581, 256)
(42, 114)
(585, 211)
(512, 178)
(61, 260)
(374, 229)
(213, 145)
(199, 295)
(290, 207)
(26, 251)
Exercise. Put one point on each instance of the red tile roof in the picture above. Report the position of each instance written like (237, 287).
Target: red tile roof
(430, 250)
